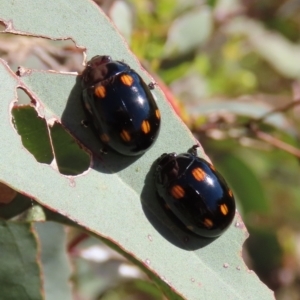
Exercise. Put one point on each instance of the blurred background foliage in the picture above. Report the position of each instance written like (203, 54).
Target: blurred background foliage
(231, 70)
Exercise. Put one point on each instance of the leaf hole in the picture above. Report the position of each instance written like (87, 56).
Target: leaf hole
(40, 53)
(33, 131)
(49, 145)
(24, 97)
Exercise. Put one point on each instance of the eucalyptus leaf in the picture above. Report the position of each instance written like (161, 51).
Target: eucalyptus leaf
(20, 274)
(274, 48)
(54, 260)
(189, 31)
(115, 199)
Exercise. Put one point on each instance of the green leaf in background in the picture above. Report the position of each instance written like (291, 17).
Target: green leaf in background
(245, 183)
(20, 276)
(189, 32)
(273, 47)
(54, 260)
(116, 198)
(265, 261)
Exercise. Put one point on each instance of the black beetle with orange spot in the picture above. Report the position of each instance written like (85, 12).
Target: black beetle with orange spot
(195, 193)
(121, 106)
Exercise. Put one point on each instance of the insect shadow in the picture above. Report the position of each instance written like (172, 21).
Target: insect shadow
(87, 137)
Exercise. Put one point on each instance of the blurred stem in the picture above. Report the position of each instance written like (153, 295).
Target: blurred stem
(274, 141)
(282, 108)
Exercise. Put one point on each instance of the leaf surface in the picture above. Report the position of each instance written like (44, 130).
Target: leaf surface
(116, 198)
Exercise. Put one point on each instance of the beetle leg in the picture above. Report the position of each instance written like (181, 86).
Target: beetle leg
(152, 85)
(193, 150)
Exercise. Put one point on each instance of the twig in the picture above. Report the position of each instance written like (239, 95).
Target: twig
(276, 142)
(282, 108)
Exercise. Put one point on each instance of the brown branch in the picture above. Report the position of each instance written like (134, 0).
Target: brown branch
(276, 143)
(282, 108)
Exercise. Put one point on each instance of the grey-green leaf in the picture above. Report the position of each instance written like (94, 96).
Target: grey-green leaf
(116, 198)
(20, 276)
(55, 262)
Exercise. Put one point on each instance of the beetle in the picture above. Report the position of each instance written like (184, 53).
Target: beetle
(120, 105)
(195, 193)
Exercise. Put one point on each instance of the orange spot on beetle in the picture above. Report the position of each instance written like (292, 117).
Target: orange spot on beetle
(177, 191)
(230, 193)
(224, 209)
(208, 223)
(198, 174)
(104, 138)
(125, 135)
(145, 126)
(127, 79)
(100, 91)
(157, 113)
